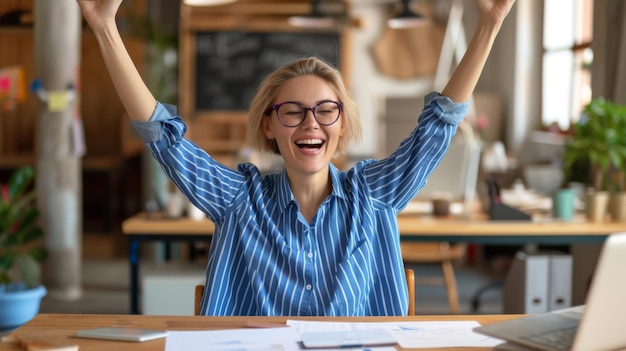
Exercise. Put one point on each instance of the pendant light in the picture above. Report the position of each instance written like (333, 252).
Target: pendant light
(407, 18)
(316, 19)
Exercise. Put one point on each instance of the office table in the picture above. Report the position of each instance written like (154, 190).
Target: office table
(60, 328)
(412, 227)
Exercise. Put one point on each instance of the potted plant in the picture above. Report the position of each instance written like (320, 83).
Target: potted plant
(596, 153)
(20, 251)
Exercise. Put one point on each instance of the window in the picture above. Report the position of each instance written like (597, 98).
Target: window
(567, 57)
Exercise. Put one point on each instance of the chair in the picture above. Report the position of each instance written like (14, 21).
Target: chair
(436, 252)
(410, 282)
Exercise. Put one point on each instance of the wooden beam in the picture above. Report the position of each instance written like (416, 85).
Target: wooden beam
(58, 181)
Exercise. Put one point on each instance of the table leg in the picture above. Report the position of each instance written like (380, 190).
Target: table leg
(133, 258)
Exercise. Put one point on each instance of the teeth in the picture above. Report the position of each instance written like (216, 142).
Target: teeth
(309, 142)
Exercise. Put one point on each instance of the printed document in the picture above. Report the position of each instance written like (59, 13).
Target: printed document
(410, 334)
(422, 334)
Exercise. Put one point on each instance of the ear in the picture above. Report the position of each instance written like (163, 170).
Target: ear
(267, 128)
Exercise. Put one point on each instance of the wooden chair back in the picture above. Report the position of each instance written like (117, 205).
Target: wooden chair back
(441, 253)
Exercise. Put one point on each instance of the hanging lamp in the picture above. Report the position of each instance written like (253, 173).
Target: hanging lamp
(315, 19)
(407, 18)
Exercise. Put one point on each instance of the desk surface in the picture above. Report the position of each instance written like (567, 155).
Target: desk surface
(410, 225)
(60, 328)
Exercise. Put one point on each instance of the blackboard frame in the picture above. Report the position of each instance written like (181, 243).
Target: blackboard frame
(231, 64)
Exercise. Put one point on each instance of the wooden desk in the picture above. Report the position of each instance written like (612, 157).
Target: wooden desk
(412, 228)
(60, 328)
(484, 231)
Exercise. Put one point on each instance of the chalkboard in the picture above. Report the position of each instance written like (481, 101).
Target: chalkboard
(230, 65)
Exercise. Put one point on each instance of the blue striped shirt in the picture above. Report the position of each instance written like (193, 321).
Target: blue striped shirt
(266, 259)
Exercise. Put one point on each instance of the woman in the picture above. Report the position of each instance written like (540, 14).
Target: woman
(311, 240)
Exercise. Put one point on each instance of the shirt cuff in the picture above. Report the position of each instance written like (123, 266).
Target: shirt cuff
(150, 131)
(447, 110)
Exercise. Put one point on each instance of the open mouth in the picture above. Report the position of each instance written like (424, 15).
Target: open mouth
(310, 143)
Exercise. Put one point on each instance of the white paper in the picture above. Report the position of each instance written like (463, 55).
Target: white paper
(426, 334)
(257, 339)
(249, 339)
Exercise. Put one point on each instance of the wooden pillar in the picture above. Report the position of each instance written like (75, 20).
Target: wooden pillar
(59, 176)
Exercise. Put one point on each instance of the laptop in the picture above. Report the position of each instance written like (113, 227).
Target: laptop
(596, 326)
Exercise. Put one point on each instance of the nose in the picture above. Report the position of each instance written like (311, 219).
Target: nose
(309, 118)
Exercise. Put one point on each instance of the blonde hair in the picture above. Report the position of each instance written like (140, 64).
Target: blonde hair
(269, 88)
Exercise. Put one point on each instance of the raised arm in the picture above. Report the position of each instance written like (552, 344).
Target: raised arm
(466, 75)
(133, 92)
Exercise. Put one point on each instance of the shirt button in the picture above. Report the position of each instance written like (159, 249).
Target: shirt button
(308, 287)
(310, 255)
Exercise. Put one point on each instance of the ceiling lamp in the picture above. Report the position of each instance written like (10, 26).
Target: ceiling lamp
(207, 2)
(316, 19)
(407, 18)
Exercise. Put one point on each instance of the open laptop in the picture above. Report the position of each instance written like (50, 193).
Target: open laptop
(596, 326)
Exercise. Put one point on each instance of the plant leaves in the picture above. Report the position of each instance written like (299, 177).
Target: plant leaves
(20, 250)
(29, 269)
(20, 180)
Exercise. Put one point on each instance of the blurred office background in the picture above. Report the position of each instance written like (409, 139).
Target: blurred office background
(548, 61)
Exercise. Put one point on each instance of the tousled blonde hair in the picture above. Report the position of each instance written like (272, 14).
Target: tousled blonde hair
(268, 90)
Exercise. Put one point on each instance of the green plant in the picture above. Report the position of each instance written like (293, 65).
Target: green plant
(599, 140)
(20, 245)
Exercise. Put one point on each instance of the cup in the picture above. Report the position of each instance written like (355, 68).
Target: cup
(195, 213)
(563, 204)
(175, 204)
(441, 207)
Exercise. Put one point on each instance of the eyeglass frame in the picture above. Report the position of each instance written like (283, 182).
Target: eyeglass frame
(275, 107)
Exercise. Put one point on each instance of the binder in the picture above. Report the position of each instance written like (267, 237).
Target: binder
(560, 290)
(526, 286)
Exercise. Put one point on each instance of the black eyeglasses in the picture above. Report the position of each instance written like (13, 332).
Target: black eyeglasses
(292, 114)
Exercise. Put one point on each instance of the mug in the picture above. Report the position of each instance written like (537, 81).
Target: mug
(563, 204)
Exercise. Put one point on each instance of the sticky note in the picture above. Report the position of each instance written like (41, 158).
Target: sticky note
(57, 101)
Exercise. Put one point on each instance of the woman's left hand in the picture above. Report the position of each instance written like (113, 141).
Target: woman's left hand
(494, 11)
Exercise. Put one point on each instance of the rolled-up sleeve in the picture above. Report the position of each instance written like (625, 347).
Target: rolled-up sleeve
(151, 131)
(445, 109)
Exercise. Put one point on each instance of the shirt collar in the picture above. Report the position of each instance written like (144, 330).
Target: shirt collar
(284, 196)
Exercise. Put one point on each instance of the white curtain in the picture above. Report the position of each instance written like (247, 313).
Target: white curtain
(609, 48)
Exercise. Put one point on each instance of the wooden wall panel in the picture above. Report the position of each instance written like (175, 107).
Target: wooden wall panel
(16, 48)
(102, 110)
(9, 5)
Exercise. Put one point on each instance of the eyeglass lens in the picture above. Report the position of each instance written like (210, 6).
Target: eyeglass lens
(292, 114)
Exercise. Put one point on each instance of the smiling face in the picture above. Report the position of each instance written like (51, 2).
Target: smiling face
(308, 148)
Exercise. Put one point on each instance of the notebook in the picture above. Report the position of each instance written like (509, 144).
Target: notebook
(596, 326)
(122, 333)
(347, 339)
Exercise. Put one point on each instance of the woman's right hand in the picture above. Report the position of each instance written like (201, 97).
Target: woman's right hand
(98, 12)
